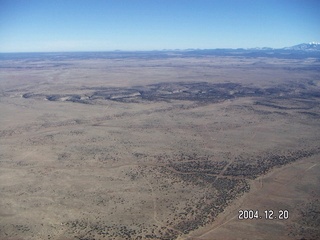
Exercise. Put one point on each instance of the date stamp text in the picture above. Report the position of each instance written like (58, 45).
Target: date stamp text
(269, 214)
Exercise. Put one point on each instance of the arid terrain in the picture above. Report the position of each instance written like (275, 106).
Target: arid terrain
(158, 146)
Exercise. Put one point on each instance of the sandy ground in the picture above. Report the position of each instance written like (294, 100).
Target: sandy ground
(292, 187)
(158, 148)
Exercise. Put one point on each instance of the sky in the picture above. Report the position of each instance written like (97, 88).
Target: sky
(96, 25)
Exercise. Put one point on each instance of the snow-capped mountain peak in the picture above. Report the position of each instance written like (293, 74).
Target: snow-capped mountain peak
(312, 46)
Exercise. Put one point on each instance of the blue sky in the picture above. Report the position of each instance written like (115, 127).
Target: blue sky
(92, 25)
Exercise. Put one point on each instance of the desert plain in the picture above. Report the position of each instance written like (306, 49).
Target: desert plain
(152, 146)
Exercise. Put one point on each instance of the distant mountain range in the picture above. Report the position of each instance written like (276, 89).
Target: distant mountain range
(313, 46)
(300, 51)
(303, 50)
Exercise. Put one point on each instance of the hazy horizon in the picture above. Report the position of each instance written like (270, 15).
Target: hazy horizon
(151, 50)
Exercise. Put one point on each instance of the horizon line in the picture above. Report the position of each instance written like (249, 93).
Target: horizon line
(157, 50)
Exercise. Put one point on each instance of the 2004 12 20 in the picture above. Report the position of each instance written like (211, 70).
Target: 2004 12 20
(267, 214)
